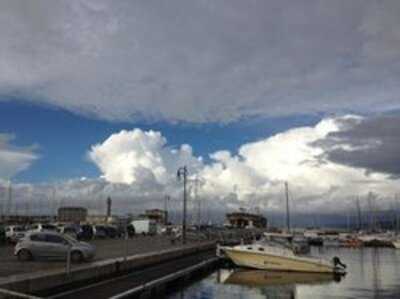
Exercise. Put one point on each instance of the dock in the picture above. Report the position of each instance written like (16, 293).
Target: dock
(116, 277)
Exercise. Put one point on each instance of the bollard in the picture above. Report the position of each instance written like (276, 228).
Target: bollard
(68, 266)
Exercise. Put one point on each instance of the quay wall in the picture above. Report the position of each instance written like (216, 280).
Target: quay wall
(39, 281)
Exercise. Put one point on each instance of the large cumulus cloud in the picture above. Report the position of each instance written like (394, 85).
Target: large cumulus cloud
(252, 177)
(201, 61)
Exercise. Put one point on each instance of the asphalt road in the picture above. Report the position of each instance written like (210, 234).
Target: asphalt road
(108, 248)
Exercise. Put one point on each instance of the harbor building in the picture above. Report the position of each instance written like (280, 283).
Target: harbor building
(159, 216)
(72, 214)
(245, 220)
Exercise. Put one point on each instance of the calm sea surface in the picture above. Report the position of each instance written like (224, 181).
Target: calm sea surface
(372, 273)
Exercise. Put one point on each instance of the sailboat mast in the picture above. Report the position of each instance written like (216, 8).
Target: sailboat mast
(287, 206)
(359, 213)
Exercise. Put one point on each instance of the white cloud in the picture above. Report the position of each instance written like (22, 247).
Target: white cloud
(139, 168)
(253, 177)
(141, 157)
(14, 159)
(201, 61)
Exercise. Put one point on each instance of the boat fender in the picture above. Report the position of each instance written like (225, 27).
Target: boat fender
(337, 262)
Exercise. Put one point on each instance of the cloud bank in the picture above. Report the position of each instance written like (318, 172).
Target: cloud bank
(254, 176)
(201, 61)
(138, 169)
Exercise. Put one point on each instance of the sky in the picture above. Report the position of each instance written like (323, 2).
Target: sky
(102, 98)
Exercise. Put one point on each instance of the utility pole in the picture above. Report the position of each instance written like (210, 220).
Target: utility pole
(167, 198)
(9, 203)
(182, 174)
(287, 207)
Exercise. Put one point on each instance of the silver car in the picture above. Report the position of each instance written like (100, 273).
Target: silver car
(53, 245)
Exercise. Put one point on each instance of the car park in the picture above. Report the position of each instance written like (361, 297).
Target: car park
(111, 231)
(2, 234)
(52, 245)
(40, 227)
(14, 233)
(71, 230)
(86, 232)
(99, 232)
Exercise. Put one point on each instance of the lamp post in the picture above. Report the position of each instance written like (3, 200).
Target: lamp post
(182, 174)
(166, 209)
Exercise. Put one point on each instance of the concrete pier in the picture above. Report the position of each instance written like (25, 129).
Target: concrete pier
(49, 280)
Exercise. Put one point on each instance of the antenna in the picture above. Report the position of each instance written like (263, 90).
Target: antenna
(287, 206)
(9, 203)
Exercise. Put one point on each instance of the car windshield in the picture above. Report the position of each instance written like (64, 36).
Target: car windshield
(19, 229)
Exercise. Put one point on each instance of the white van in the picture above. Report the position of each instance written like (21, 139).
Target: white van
(145, 226)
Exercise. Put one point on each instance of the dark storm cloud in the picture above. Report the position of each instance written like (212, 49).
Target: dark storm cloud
(201, 61)
(370, 143)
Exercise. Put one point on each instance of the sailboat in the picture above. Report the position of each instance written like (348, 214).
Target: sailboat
(271, 254)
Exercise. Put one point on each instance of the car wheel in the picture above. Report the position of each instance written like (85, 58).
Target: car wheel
(76, 257)
(24, 255)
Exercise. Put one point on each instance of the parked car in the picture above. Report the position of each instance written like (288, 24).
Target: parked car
(2, 234)
(53, 245)
(99, 232)
(14, 233)
(111, 231)
(71, 230)
(130, 230)
(40, 227)
(86, 232)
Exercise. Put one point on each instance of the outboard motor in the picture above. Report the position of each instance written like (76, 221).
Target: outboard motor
(338, 263)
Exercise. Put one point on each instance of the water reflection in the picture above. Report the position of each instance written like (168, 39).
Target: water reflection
(372, 273)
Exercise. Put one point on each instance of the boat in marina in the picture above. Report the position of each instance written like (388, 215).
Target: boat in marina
(278, 252)
(271, 254)
(396, 243)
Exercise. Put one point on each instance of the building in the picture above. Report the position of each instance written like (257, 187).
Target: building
(72, 214)
(159, 216)
(245, 220)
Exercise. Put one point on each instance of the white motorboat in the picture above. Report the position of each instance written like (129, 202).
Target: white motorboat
(277, 256)
(396, 243)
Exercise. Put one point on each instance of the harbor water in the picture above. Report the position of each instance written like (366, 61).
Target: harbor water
(372, 273)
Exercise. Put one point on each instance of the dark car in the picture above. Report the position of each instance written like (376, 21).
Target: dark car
(86, 232)
(111, 232)
(131, 230)
(2, 234)
(99, 232)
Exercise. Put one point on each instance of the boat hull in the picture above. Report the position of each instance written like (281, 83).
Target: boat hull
(260, 278)
(265, 261)
(396, 244)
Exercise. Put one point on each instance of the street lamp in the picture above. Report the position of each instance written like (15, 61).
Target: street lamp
(182, 173)
(167, 198)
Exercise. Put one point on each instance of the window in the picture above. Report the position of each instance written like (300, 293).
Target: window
(49, 227)
(261, 249)
(249, 248)
(38, 238)
(55, 239)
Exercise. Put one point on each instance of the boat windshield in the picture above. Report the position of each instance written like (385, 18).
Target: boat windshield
(276, 242)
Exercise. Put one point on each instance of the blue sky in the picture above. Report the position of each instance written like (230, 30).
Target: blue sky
(64, 138)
